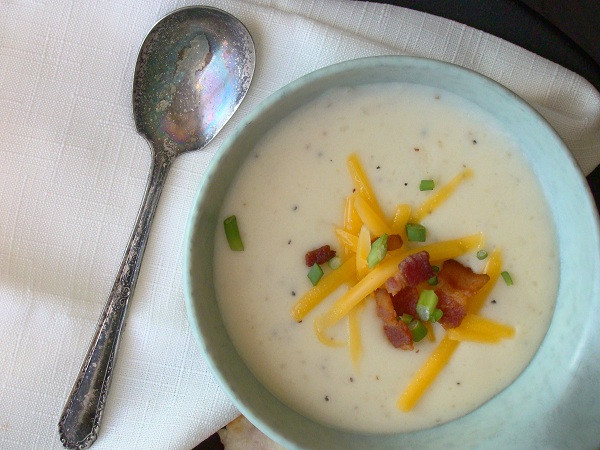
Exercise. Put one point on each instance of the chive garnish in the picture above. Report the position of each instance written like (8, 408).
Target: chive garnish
(426, 305)
(507, 278)
(335, 262)
(406, 318)
(378, 251)
(482, 254)
(233, 234)
(417, 329)
(433, 281)
(437, 315)
(315, 273)
(416, 232)
(426, 185)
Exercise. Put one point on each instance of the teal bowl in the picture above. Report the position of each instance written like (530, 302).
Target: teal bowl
(554, 403)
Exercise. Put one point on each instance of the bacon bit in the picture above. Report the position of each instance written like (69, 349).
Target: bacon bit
(320, 255)
(412, 270)
(405, 301)
(456, 285)
(396, 331)
(394, 242)
(399, 335)
(385, 308)
(453, 303)
(416, 268)
(462, 277)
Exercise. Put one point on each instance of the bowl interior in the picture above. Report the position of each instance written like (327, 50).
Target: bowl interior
(529, 406)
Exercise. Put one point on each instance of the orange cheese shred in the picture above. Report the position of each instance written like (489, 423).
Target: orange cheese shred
(442, 353)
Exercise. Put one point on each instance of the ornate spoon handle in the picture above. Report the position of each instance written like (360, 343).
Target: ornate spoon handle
(78, 425)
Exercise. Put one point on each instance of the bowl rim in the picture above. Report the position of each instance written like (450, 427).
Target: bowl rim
(567, 161)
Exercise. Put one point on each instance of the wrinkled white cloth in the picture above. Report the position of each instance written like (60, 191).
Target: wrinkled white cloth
(72, 175)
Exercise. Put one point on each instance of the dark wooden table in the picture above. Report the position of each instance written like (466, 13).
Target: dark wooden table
(564, 31)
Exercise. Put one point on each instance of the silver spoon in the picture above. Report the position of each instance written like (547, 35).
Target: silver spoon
(193, 70)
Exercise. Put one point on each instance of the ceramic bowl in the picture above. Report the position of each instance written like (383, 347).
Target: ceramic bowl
(554, 403)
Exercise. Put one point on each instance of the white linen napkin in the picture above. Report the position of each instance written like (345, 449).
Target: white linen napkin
(73, 170)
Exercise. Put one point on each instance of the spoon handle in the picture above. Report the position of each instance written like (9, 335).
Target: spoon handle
(78, 425)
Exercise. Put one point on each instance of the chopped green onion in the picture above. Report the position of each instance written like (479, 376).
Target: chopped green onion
(426, 305)
(507, 278)
(416, 232)
(417, 329)
(436, 269)
(426, 185)
(315, 273)
(406, 318)
(432, 281)
(378, 251)
(335, 262)
(233, 234)
(437, 315)
(482, 254)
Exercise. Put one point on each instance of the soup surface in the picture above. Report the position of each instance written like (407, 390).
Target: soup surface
(289, 196)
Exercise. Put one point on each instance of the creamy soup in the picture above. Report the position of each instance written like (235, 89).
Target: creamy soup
(289, 196)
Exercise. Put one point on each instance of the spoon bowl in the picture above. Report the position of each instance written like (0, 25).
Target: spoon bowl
(193, 70)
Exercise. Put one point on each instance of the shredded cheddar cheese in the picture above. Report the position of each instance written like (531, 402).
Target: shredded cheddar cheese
(493, 269)
(327, 340)
(386, 268)
(364, 219)
(427, 374)
(326, 286)
(348, 240)
(352, 222)
(363, 246)
(439, 196)
(375, 222)
(354, 337)
(476, 328)
(401, 217)
(362, 184)
(442, 353)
